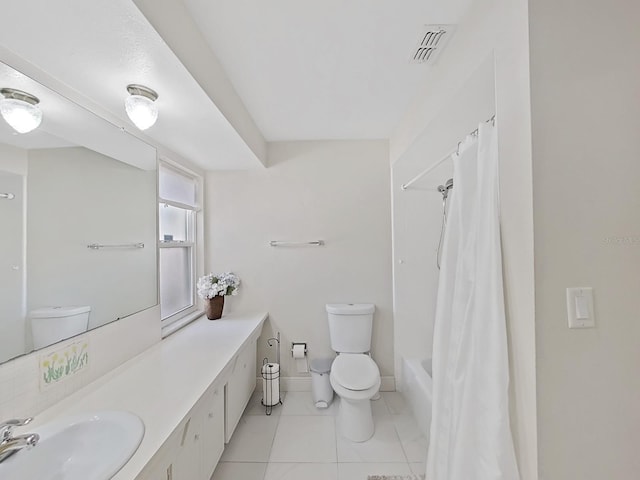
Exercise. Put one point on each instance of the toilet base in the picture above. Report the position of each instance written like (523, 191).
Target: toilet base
(355, 420)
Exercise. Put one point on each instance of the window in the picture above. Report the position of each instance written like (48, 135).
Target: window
(177, 210)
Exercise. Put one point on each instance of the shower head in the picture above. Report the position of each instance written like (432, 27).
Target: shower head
(444, 189)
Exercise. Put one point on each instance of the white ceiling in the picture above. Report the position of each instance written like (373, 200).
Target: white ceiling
(98, 47)
(65, 124)
(330, 69)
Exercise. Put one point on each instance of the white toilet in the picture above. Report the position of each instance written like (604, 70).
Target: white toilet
(49, 325)
(355, 377)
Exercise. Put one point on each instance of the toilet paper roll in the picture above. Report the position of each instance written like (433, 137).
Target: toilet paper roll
(270, 384)
(300, 357)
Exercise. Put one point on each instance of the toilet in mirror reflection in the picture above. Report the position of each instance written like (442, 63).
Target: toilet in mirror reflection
(50, 325)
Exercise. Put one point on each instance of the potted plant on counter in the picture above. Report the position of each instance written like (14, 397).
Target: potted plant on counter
(213, 288)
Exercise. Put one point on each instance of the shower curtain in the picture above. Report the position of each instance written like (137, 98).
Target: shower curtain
(470, 435)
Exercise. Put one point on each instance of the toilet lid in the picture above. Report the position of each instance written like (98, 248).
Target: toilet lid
(355, 371)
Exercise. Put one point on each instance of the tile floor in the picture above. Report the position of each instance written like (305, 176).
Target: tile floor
(299, 442)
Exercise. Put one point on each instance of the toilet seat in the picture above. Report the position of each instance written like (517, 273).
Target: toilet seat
(356, 372)
(354, 395)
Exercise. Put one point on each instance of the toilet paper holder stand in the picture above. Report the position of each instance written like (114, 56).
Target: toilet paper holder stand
(271, 379)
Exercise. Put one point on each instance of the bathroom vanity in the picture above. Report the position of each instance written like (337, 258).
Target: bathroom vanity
(189, 390)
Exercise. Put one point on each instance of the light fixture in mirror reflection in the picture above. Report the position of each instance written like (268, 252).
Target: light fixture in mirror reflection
(75, 181)
(20, 110)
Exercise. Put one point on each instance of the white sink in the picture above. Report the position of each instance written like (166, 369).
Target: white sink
(90, 446)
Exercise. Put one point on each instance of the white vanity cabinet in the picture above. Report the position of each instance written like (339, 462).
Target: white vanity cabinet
(212, 437)
(190, 391)
(193, 449)
(204, 440)
(162, 465)
(240, 386)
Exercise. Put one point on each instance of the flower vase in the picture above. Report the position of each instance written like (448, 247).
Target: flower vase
(213, 307)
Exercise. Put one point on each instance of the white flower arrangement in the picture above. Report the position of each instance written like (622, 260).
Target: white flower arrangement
(222, 284)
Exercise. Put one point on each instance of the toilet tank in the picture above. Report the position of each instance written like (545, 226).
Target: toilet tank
(350, 326)
(50, 325)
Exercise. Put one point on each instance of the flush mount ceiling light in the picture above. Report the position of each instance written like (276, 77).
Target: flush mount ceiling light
(20, 110)
(140, 106)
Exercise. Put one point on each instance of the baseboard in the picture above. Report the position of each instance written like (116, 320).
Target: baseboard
(303, 384)
(388, 383)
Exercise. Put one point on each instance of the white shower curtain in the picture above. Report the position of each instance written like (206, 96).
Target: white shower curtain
(470, 435)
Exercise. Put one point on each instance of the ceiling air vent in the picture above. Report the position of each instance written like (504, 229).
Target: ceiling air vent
(431, 42)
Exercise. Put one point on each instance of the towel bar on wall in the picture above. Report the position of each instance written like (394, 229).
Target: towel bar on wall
(313, 243)
(98, 246)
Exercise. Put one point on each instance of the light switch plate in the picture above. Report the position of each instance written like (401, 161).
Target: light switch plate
(585, 295)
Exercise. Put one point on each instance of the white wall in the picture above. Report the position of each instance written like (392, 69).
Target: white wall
(13, 159)
(498, 28)
(337, 191)
(109, 347)
(585, 74)
(417, 213)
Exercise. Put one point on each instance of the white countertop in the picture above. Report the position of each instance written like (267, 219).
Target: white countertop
(164, 382)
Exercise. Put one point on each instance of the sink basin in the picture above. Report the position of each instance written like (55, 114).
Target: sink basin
(80, 447)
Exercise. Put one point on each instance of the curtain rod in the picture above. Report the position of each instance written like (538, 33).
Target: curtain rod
(404, 186)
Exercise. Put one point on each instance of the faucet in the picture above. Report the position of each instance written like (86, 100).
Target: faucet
(10, 444)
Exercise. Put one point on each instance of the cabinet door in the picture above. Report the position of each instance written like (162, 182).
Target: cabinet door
(186, 465)
(160, 467)
(241, 385)
(212, 439)
(157, 471)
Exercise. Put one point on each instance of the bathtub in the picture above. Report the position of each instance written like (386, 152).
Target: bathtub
(417, 390)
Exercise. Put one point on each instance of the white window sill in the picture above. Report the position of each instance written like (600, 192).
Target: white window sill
(178, 324)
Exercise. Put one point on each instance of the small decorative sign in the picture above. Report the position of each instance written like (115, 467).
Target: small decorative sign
(64, 362)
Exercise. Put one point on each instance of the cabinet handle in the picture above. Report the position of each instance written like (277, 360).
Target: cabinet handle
(196, 437)
(185, 432)
(170, 472)
(210, 414)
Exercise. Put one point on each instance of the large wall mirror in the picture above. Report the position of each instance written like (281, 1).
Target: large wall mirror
(78, 210)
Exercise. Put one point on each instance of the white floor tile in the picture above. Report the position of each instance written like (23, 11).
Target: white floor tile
(413, 442)
(360, 471)
(396, 403)
(254, 407)
(301, 403)
(384, 446)
(301, 471)
(252, 439)
(239, 471)
(379, 407)
(308, 438)
(418, 468)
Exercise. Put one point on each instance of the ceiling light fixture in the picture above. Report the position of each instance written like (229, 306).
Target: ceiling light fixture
(140, 106)
(20, 110)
